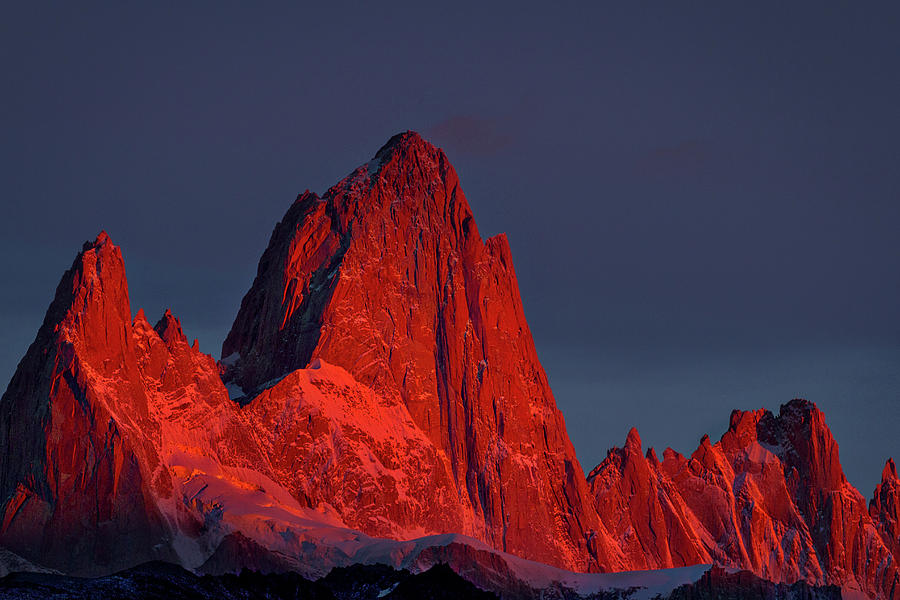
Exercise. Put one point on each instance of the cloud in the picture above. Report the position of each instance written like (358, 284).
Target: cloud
(470, 134)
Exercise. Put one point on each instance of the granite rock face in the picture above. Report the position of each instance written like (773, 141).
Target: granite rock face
(75, 480)
(884, 508)
(99, 425)
(380, 399)
(387, 277)
(769, 497)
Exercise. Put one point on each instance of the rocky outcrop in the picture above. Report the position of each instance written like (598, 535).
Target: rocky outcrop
(645, 511)
(370, 582)
(884, 508)
(719, 584)
(844, 537)
(334, 442)
(163, 580)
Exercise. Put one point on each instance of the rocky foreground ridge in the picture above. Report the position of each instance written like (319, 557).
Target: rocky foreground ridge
(367, 582)
(385, 393)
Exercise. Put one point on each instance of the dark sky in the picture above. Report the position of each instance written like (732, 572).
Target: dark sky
(702, 202)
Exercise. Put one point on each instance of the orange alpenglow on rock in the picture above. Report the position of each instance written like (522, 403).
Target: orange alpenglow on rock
(380, 379)
(769, 497)
(387, 276)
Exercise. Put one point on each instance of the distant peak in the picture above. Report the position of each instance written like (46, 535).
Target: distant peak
(405, 139)
(801, 415)
(670, 454)
(704, 454)
(306, 197)
(798, 405)
(408, 143)
(743, 426)
(169, 328)
(890, 470)
(742, 419)
(633, 441)
(101, 240)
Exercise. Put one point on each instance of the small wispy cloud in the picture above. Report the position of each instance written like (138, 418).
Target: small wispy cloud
(470, 134)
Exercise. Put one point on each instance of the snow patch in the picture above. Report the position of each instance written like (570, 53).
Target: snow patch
(373, 166)
(235, 392)
(231, 359)
(13, 563)
(387, 591)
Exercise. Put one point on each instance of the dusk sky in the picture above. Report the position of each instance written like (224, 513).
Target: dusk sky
(703, 202)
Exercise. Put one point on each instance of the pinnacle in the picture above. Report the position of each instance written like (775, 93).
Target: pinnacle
(890, 470)
(403, 139)
(169, 327)
(101, 240)
(633, 441)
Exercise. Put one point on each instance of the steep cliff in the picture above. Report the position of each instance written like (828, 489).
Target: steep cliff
(76, 478)
(387, 276)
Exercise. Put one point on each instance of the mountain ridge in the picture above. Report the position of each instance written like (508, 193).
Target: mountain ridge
(392, 390)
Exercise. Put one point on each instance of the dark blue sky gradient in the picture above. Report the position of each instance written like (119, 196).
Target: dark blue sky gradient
(702, 203)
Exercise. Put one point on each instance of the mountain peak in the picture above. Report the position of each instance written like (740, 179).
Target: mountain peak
(101, 240)
(410, 152)
(799, 408)
(743, 425)
(633, 441)
(91, 299)
(884, 507)
(801, 424)
(169, 328)
(383, 339)
(388, 278)
(405, 140)
(67, 399)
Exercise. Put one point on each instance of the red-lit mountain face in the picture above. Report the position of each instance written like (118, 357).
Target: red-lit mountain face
(770, 497)
(450, 429)
(77, 477)
(391, 388)
(884, 508)
(97, 422)
(387, 277)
